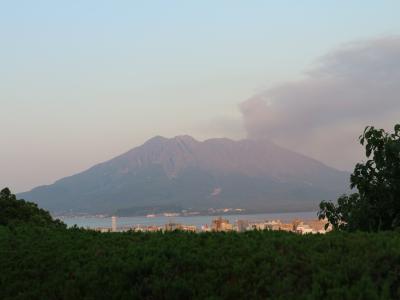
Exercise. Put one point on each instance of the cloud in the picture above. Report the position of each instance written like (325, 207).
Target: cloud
(322, 114)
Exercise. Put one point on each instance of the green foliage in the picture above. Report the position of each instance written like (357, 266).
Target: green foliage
(14, 211)
(376, 206)
(53, 263)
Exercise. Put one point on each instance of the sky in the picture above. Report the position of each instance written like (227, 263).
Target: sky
(84, 81)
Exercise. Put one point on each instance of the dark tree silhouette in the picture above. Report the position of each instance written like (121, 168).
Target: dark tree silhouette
(14, 211)
(376, 206)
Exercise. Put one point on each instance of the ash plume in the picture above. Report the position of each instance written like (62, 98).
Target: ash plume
(322, 114)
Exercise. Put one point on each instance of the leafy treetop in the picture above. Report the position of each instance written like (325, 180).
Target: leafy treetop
(376, 206)
(14, 211)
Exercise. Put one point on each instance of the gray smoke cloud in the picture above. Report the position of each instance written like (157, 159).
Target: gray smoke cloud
(323, 114)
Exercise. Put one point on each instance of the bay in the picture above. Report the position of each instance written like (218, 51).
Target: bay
(198, 221)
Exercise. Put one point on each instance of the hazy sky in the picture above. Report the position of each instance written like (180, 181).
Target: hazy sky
(83, 81)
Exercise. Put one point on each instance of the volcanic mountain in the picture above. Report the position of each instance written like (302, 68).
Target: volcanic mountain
(182, 173)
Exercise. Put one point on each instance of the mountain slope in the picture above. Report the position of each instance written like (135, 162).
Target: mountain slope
(182, 173)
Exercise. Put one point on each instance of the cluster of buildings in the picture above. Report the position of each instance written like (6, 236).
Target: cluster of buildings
(221, 224)
(297, 226)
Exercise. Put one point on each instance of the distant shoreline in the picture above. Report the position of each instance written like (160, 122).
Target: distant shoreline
(198, 220)
(176, 214)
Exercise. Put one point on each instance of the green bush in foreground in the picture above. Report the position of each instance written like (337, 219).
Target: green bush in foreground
(53, 263)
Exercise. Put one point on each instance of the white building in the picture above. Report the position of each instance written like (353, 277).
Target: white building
(113, 223)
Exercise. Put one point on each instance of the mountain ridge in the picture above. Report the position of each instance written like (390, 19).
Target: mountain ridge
(184, 172)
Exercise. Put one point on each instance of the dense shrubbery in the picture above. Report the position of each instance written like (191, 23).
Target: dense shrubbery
(54, 263)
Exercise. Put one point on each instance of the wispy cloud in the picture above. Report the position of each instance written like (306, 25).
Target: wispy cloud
(323, 114)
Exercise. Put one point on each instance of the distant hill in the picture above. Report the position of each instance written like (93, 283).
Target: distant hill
(183, 173)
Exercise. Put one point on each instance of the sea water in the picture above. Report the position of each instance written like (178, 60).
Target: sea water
(93, 222)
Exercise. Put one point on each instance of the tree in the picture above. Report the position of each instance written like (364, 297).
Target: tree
(376, 206)
(14, 211)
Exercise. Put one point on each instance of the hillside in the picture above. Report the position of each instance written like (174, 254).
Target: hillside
(183, 173)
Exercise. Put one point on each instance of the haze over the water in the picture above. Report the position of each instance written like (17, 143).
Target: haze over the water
(83, 81)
